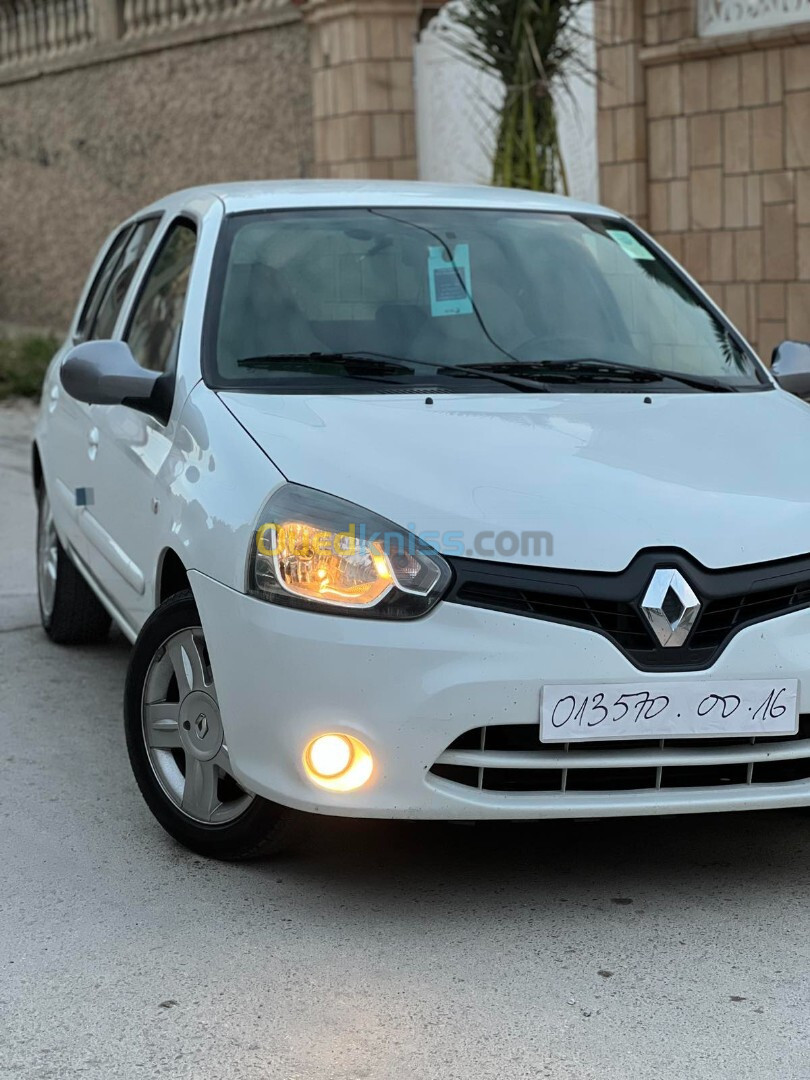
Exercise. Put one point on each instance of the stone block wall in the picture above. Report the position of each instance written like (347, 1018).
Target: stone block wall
(707, 142)
(362, 86)
(106, 105)
(89, 138)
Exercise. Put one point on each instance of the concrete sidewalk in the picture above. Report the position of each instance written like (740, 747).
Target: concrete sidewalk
(18, 606)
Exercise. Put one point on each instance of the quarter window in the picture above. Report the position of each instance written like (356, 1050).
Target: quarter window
(121, 277)
(154, 330)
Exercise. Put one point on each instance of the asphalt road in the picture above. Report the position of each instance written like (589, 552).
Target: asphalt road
(670, 948)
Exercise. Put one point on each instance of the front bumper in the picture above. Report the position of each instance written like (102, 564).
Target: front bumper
(410, 689)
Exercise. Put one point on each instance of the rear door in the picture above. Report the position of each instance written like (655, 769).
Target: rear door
(69, 444)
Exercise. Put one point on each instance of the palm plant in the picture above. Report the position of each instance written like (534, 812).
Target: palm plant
(531, 46)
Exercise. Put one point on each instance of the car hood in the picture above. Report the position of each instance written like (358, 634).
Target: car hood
(725, 477)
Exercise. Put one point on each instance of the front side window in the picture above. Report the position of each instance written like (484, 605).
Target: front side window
(101, 281)
(154, 329)
(578, 301)
(110, 305)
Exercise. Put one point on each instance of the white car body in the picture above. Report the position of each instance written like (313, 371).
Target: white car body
(720, 477)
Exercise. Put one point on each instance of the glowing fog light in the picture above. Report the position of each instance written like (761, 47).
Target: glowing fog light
(329, 756)
(338, 762)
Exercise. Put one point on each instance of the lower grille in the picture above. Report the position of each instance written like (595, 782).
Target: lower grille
(511, 757)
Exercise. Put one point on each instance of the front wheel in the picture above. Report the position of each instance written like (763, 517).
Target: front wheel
(177, 745)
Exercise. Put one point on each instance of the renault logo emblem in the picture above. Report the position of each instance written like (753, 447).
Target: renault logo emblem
(670, 607)
(201, 724)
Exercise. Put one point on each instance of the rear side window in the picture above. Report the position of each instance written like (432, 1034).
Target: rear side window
(121, 277)
(154, 329)
(102, 280)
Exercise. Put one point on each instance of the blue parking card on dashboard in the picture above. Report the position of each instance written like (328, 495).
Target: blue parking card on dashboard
(450, 284)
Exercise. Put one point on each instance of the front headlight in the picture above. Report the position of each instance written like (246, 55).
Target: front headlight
(313, 550)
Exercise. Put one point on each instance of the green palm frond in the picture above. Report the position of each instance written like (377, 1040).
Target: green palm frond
(532, 46)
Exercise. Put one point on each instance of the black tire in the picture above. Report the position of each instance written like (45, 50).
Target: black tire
(264, 828)
(75, 616)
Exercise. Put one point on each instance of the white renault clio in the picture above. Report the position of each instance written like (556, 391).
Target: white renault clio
(426, 502)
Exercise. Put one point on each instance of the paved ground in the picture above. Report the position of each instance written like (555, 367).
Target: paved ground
(669, 949)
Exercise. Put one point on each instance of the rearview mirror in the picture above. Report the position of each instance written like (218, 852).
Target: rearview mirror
(791, 366)
(106, 373)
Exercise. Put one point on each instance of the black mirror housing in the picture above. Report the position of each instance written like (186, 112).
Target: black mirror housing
(791, 366)
(106, 373)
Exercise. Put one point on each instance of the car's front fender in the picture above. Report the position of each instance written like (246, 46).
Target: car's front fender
(213, 484)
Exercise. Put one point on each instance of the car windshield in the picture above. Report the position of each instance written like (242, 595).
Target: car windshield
(342, 299)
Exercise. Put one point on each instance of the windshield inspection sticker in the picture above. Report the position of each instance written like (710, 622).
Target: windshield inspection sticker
(629, 245)
(450, 285)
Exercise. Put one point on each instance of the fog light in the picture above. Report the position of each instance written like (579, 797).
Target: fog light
(338, 762)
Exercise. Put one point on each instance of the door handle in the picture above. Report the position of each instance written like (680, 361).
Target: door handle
(92, 443)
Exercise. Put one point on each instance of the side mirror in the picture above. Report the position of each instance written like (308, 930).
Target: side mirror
(791, 366)
(106, 373)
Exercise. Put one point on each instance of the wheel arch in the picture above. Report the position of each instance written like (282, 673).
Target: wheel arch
(36, 468)
(172, 576)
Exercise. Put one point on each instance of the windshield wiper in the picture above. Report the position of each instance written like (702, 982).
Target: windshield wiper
(376, 365)
(355, 365)
(528, 376)
(592, 370)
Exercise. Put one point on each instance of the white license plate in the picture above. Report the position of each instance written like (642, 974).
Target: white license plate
(682, 709)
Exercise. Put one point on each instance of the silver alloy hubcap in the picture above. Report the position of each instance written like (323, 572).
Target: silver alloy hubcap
(182, 731)
(47, 556)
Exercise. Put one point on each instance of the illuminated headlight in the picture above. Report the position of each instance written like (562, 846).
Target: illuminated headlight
(316, 551)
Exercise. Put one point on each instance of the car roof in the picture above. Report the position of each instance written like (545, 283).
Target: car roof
(292, 194)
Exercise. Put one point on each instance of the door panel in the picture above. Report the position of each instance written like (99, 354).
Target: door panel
(67, 463)
(111, 551)
(133, 447)
(120, 526)
(69, 452)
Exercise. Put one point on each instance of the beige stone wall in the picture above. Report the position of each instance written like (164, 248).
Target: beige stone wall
(85, 146)
(362, 85)
(708, 143)
(621, 121)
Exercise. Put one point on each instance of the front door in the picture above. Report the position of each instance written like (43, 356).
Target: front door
(133, 447)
